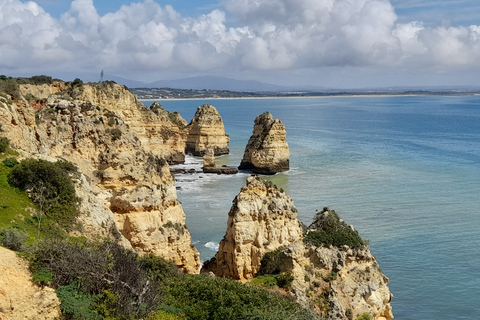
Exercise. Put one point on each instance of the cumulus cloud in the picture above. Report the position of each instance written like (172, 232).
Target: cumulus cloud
(264, 35)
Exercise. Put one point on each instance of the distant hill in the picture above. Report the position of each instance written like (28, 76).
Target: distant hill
(217, 83)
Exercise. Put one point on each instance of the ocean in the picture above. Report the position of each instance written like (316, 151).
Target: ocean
(404, 170)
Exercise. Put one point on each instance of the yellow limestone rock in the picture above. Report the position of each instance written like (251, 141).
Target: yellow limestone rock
(127, 190)
(262, 218)
(267, 150)
(339, 283)
(20, 299)
(206, 130)
(160, 132)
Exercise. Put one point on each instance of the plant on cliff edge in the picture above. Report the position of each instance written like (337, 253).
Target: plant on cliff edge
(328, 229)
(4, 142)
(50, 186)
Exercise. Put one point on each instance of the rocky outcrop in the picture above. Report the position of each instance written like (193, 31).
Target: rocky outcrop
(160, 132)
(267, 150)
(338, 282)
(210, 167)
(206, 130)
(127, 190)
(262, 219)
(21, 299)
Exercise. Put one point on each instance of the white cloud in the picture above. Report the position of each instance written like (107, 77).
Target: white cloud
(270, 35)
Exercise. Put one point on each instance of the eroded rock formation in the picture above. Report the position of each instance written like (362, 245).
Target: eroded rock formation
(20, 298)
(206, 130)
(267, 150)
(127, 190)
(338, 282)
(262, 218)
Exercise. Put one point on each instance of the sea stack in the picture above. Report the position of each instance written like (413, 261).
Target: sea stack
(329, 268)
(262, 219)
(206, 130)
(267, 150)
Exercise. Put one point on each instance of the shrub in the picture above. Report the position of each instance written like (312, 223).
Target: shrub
(365, 316)
(116, 133)
(328, 229)
(10, 162)
(113, 275)
(13, 238)
(284, 280)
(4, 142)
(77, 82)
(42, 277)
(331, 276)
(270, 263)
(50, 186)
(75, 304)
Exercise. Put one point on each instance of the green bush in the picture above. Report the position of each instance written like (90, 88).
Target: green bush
(331, 276)
(42, 277)
(13, 238)
(365, 316)
(10, 162)
(328, 229)
(50, 186)
(270, 263)
(4, 142)
(284, 280)
(75, 304)
(114, 275)
(116, 133)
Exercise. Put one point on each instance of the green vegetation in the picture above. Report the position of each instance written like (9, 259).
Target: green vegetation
(13, 238)
(4, 142)
(102, 280)
(365, 316)
(329, 229)
(270, 263)
(270, 273)
(50, 186)
(10, 85)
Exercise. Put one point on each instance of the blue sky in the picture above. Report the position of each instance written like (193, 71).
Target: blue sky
(332, 43)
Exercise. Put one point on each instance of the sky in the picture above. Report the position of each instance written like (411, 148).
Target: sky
(329, 43)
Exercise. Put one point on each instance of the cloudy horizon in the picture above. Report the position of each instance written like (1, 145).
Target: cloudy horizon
(334, 43)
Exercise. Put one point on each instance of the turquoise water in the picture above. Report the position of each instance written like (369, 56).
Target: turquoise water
(405, 171)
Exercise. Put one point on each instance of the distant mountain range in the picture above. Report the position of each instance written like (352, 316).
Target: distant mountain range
(221, 83)
(215, 83)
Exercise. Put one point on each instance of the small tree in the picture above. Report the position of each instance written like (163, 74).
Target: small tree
(4, 142)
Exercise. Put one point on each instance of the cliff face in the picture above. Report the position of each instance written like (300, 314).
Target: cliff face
(159, 132)
(206, 130)
(19, 297)
(262, 218)
(267, 150)
(338, 282)
(127, 190)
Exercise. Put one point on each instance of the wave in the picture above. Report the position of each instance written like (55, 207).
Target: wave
(212, 246)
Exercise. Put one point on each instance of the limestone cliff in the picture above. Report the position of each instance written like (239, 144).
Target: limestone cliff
(159, 131)
(127, 189)
(19, 298)
(206, 130)
(262, 219)
(337, 281)
(267, 150)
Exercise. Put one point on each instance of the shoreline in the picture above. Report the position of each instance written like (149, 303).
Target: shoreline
(356, 95)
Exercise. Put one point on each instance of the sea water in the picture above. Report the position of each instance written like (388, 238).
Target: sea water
(404, 170)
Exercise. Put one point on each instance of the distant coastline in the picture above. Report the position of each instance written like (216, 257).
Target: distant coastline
(153, 94)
